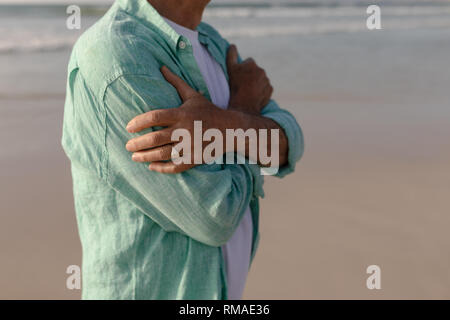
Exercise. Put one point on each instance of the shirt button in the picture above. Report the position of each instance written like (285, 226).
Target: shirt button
(182, 44)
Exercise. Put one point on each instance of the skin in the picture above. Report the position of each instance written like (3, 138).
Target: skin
(187, 13)
(250, 91)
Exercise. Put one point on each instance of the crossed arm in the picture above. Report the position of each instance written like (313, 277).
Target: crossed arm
(206, 202)
(250, 91)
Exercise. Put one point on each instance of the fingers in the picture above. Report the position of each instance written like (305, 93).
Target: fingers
(169, 167)
(157, 154)
(266, 99)
(232, 56)
(160, 117)
(184, 90)
(250, 61)
(268, 91)
(150, 140)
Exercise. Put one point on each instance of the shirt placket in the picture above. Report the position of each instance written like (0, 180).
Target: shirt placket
(186, 56)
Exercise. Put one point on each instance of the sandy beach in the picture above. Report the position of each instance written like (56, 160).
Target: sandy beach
(372, 189)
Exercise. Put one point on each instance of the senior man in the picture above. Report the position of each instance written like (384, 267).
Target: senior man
(150, 227)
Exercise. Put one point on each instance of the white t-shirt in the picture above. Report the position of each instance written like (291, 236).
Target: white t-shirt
(237, 250)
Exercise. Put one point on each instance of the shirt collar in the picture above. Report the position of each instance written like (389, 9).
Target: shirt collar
(143, 10)
(191, 35)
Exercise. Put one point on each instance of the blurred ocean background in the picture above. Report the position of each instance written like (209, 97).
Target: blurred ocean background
(374, 184)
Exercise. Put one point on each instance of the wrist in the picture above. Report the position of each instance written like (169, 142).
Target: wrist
(242, 107)
(234, 120)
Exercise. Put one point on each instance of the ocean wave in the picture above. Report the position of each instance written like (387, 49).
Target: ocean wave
(329, 20)
(285, 12)
(329, 28)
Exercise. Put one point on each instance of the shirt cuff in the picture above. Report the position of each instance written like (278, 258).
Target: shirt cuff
(294, 136)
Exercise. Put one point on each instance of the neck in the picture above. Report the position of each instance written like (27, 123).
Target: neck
(187, 13)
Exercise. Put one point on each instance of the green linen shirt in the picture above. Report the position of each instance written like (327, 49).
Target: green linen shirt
(147, 235)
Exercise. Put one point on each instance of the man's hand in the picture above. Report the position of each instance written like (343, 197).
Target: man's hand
(250, 89)
(156, 147)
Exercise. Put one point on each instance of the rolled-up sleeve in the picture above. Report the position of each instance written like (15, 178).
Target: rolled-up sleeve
(205, 203)
(293, 133)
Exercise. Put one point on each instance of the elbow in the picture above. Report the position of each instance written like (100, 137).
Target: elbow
(217, 222)
(216, 231)
(216, 237)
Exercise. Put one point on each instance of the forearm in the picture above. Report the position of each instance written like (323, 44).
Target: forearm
(205, 203)
(269, 135)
